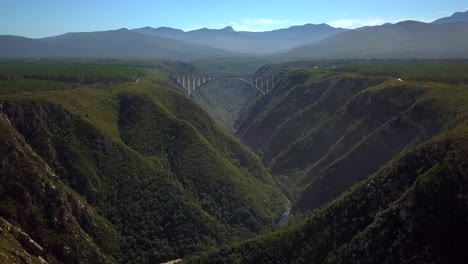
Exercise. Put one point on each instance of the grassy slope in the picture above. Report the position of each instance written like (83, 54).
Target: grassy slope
(172, 186)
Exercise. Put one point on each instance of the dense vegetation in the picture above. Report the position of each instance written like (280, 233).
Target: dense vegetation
(413, 210)
(111, 163)
(16, 77)
(376, 165)
(141, 157)
(454, 73)
(318, 125)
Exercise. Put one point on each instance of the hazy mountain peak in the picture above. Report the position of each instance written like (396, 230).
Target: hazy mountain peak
(168, 28)
(228, 28)
(456, 17)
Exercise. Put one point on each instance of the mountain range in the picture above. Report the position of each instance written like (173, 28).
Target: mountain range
(121, 43)
(407, 39)
(443, 38)
(248, 42)
(456, 17)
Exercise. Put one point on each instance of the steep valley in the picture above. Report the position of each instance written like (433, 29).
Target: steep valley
(131, 172)
(115, 164)
(375, 163)
(339, 128)
(233, 132)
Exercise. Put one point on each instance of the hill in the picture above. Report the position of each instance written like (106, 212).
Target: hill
(120, 43)
(408, 39)
(106, 166)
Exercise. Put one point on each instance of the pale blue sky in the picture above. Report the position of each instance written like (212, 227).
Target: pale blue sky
(40, 18)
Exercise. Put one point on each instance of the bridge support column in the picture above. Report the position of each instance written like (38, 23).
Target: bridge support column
(193, 83)
(188, 85)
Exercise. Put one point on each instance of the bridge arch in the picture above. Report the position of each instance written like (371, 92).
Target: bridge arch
(264, 84)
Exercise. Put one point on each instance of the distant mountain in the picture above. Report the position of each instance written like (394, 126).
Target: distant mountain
(456, 17)
(444, 38)
(408, 39)
(248, 42)
(121, 43)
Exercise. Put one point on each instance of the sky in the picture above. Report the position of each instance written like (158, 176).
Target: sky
(42, 18)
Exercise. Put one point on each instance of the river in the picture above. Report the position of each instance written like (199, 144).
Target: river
(285, 217)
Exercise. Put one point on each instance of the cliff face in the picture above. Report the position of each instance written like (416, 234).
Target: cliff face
(41, 216)
(149, 161)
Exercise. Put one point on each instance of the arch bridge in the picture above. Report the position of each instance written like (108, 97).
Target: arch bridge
(264, 84)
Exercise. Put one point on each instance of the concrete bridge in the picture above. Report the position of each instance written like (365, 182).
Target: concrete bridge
(264, 84)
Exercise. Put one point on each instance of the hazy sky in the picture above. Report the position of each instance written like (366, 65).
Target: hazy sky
(40, 18)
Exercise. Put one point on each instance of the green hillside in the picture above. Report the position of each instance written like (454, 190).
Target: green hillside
(141, 157)
(323, 130)
(410, 211)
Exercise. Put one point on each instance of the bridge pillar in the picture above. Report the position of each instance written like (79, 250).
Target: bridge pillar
(188, 85)
(199, 83)
(183, 81)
